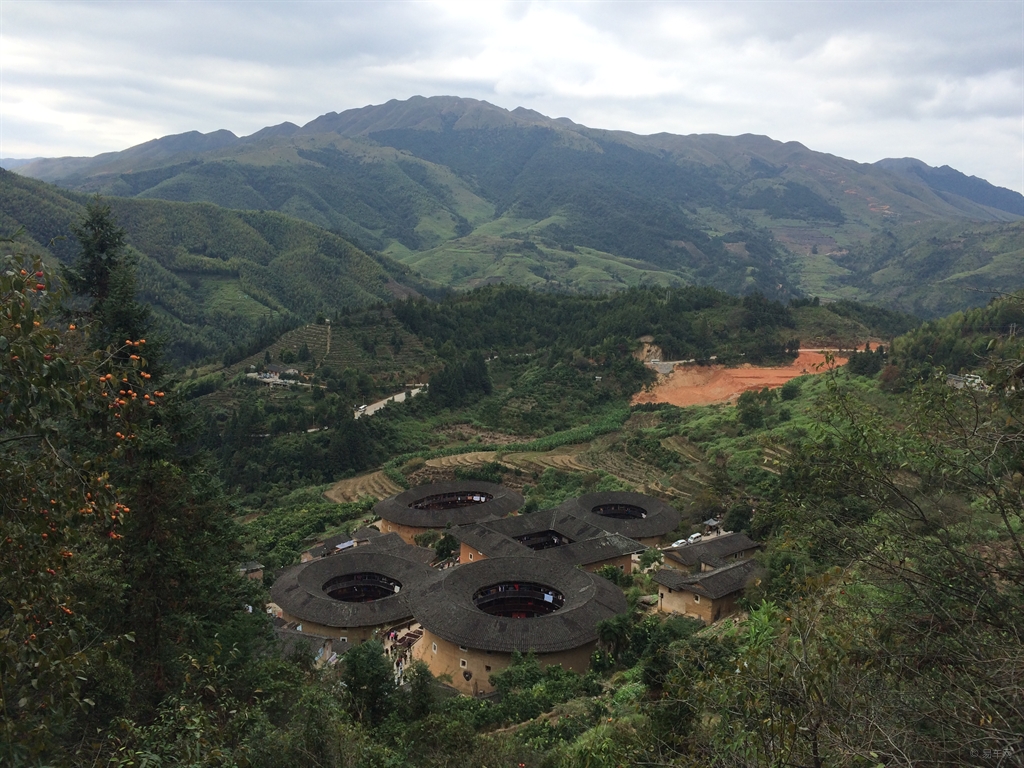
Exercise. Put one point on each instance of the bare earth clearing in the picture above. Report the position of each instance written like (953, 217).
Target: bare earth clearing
(705, 385)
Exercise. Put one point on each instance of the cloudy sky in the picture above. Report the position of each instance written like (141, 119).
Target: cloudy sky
(941, 81)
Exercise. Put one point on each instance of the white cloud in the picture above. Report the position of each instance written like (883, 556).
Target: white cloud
(942, 81)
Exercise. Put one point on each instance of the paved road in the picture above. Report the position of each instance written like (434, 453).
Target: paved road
(398, 398)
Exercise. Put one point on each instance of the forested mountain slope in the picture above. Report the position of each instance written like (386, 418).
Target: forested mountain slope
(216, 278)
(470, 194)
(927, 268)
(946, 180)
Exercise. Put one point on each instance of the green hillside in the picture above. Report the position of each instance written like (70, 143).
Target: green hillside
(928, 268)
(555, 362)
(371, 342)
(470, 194)
(217, 279)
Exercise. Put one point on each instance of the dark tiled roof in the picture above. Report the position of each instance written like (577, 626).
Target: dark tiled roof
(329, 545)
(490, 542)
(365, 533)
(660, 518)
(600, 545)
(299, 591)
(445, 607)
(383, 543)
(291, 640)
(395, 544)
(712, 550)
(558, 520)
(333, 541)
(713, 584)
(397, 509)
(605, 547)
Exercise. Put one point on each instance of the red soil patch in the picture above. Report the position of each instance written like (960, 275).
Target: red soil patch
(704, 385)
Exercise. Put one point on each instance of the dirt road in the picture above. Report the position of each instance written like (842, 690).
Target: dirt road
(704, 385)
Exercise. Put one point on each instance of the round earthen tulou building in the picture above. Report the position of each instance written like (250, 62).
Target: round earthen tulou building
(634, 515)
(351, 595)
(438, 506)
(475, 617)
(523, 584)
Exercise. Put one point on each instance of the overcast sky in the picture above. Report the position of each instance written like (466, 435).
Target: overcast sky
(940, 81)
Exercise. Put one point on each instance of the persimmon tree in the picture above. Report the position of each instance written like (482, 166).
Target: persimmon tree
(110, 527)
(58, 507)
(105, 276)
(170, 581)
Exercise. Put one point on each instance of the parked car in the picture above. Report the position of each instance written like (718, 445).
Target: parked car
(694, 537)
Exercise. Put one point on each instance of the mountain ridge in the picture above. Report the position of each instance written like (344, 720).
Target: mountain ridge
(440, 112)
(952, 181)
(470, 194)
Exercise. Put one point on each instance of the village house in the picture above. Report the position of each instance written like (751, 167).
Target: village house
(251, 570)
(710, 552)
(707, 596)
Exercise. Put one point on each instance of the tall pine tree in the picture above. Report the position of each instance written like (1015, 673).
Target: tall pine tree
(104, 274)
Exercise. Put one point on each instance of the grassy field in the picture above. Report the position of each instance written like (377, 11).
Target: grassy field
(483, 258)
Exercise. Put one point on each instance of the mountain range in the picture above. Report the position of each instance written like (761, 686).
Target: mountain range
(466, 194)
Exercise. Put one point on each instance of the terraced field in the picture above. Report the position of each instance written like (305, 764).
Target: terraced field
(567, 459)
(375, 485)
(316, 337)
(684, 448)
(471, 459)
(692, 480)
(582, 458)
(773, 457)
(634, 472)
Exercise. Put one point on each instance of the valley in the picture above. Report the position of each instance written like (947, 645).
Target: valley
(816, 358)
